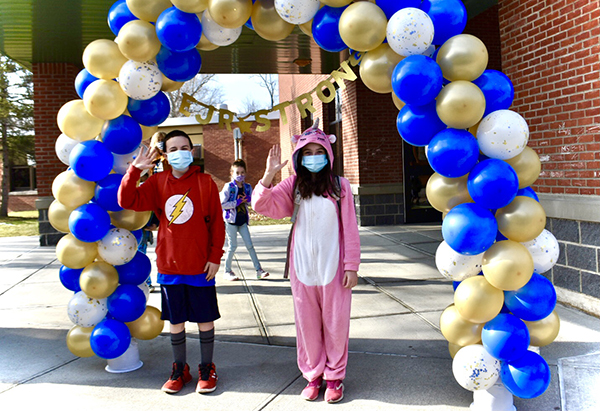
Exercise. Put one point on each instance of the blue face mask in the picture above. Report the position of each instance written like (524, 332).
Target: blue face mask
(180, 159)
(315, 163)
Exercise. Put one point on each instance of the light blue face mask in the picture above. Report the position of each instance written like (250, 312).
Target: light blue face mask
(180, 159)
(315, 163)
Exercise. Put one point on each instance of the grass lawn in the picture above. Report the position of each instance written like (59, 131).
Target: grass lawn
(19, 224)
(257, 219)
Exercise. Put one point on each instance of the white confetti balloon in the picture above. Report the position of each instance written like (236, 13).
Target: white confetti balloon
(217, 35)
(410, 31)
(297, 11)
(457, 266)
(544, 250)
(502, 134)
(122, 161)
(118, 246)
(140, 80)
(63, 146)
(86, 311)
(474, 368)
(146, 289)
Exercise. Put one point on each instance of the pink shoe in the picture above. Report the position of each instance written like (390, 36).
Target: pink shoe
(334, 392)
(311, 391)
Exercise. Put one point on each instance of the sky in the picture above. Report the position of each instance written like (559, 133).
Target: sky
(236, 87)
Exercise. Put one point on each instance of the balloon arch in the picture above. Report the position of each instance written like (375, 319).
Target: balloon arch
(495, 246)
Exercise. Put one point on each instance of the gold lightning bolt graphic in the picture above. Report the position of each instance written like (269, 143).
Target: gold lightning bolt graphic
(178, 208)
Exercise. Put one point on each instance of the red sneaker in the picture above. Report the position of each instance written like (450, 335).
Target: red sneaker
(208, 378)
(311, 391)
(179, 377)
(334, 392)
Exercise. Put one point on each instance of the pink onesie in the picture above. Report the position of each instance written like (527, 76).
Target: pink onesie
(321, 251)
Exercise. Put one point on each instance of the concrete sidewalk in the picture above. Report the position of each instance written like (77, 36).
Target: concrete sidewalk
(398, 360)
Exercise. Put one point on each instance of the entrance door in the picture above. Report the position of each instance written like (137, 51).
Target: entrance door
(416, 173)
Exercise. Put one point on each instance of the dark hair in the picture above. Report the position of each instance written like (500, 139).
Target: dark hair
(239, 163)
(176, 133)
(324, 183)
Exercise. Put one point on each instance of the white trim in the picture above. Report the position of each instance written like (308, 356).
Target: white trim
(578, 300)
(571, 207)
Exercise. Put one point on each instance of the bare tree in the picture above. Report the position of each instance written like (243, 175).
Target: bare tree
(271, 83)
(250, 105)
(203, 88)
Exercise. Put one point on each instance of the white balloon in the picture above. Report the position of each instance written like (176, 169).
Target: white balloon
(502, 134)
(86, 311)
(140, 80)
(544, 250)
(474, 368)
(118, 246)
(63, 146)
(297, 11)
(122, 161)
(410, 31)
(146, 289)
(457, 266)
(217, 35)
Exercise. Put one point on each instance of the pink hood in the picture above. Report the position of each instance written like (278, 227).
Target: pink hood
(313, 135)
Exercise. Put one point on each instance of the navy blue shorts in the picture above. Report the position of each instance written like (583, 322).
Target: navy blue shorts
(182, 302)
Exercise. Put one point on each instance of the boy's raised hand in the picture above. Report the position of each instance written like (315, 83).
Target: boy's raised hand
(144, 159)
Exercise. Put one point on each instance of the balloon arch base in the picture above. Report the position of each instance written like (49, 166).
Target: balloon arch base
(496, 398)
(127, 362)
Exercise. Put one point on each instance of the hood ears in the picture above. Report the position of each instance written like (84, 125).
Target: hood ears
(315, 127)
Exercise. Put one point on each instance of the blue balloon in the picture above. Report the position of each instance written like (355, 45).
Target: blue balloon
(91, 160)
(417, 80)
(526, 377)
(534, 301)
(136, 270)
(178, 30)
(127, 303)
(505, 337)
(138, 234)
(469, 229)
(249, 24)
(83, 80)
(106, 192)
(449, 18)
(325, 29)
(390, 7)
(119, 15)
(500, 236)
(453, 152)
(121, 135)
(89, 222)
(69, 278)
(110, 339)
(417, 125)
(528, 192)
(179, 66)
(493, 183)
(497, 89)
(151, 112)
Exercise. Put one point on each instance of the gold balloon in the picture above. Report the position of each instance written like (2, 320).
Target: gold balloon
(77, 123)
(103, 59)
(148, 326)
(230, 14)
(460, 104)
(477, 300)
(105, 99)
(78, 341)
(99, 280)
(267, 23)
(306, 28)
(129, 219)
(138, 41)
(507, 265)
(74, 253)
(336, 3)
(191, 6)
(522, 220)
(457, 330)
(363, 26)
(397, 102)
(544, 331)
(473, 129)
(148, 131)
(527, 165)
(453, 349)
(445, 193)
(71, 190)
(203, 45)
(58, 215)
(377, 66)
(462, 57)
(148, 10)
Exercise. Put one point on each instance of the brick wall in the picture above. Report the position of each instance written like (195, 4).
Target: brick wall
(21, 202)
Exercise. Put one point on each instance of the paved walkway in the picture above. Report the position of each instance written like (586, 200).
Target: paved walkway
(398, 360)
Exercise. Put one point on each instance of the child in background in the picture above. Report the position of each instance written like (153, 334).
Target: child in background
(324, 256)
(235, 197)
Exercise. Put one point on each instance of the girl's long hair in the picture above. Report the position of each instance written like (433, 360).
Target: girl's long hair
(324, 184)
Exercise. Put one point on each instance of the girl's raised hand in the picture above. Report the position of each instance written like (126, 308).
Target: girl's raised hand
(274, 165)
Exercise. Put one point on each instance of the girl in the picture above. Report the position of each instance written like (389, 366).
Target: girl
(324, 256)
(235, 197)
